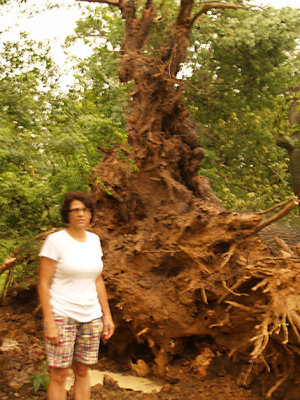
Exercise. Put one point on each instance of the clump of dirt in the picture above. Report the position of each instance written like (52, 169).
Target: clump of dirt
(22, 354)
(186, 293)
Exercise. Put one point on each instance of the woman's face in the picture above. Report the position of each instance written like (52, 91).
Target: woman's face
(79, 215)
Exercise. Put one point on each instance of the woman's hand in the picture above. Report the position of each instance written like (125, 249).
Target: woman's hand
(108, 327)
(52, 333)
(108, 323)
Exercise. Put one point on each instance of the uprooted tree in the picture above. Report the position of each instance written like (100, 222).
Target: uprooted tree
(179, 267)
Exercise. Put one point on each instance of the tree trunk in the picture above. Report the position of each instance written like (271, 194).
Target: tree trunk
(292, 143)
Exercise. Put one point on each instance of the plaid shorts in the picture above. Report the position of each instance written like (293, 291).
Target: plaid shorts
(79, 341)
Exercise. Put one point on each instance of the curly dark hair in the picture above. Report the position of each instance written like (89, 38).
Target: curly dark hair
(85, 198)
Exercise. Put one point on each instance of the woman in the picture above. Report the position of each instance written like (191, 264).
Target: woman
(73, 298)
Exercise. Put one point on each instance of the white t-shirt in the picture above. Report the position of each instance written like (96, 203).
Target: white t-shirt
(73, 291)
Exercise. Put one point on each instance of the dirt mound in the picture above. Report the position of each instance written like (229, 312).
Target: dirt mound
(22, 355)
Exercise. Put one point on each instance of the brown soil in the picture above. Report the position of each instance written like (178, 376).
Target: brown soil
(18, 366)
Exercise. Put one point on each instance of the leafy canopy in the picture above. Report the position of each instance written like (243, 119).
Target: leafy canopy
(241, 67)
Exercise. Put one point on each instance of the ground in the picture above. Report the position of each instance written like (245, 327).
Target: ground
(21, 327)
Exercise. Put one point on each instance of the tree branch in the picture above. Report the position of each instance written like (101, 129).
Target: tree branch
(146, 22)
(208, 6)
(287, 142)
(115, 3)
(161, 4)
(186, 8)
(174, 53)
(271, 170)
(149, 4)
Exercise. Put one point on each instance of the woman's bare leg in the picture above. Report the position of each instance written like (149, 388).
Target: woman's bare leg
(82, 384)
(56, 388)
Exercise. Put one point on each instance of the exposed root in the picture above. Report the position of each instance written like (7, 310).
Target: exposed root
(276, 386)
(246, 376)
(228, 255)
(290, 368)
(294, 320)
(172, 278)
(25, 255)
(283, 203)
(284, 325)
(7, 264)
(232, 351)
(281, 214)
(237, 284)
(7, 284)
(280, 322)
(293, 259)
(204, 297)
(231, 291)
(265, 363)
(240, 306)
(225, 321)
(281, 243)
(260, 341)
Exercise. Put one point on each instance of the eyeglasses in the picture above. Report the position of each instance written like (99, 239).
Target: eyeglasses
(78, 210)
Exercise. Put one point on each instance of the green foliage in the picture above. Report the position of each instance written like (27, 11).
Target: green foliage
(6, 248)
(25, 69)
(242, 63)
(41, 378)
(239, 69)
(49, 141)
(101, 27)
(241, 66)
(160, 37)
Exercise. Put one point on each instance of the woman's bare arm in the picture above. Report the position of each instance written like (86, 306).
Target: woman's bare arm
(47, 268)
(108, 324)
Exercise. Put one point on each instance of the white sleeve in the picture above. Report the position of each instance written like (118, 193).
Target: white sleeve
(49, 249)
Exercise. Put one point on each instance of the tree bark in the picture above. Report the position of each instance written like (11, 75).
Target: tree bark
(292, 143)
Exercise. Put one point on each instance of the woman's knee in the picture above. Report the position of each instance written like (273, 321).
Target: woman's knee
(80, 370)
(59, 375)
